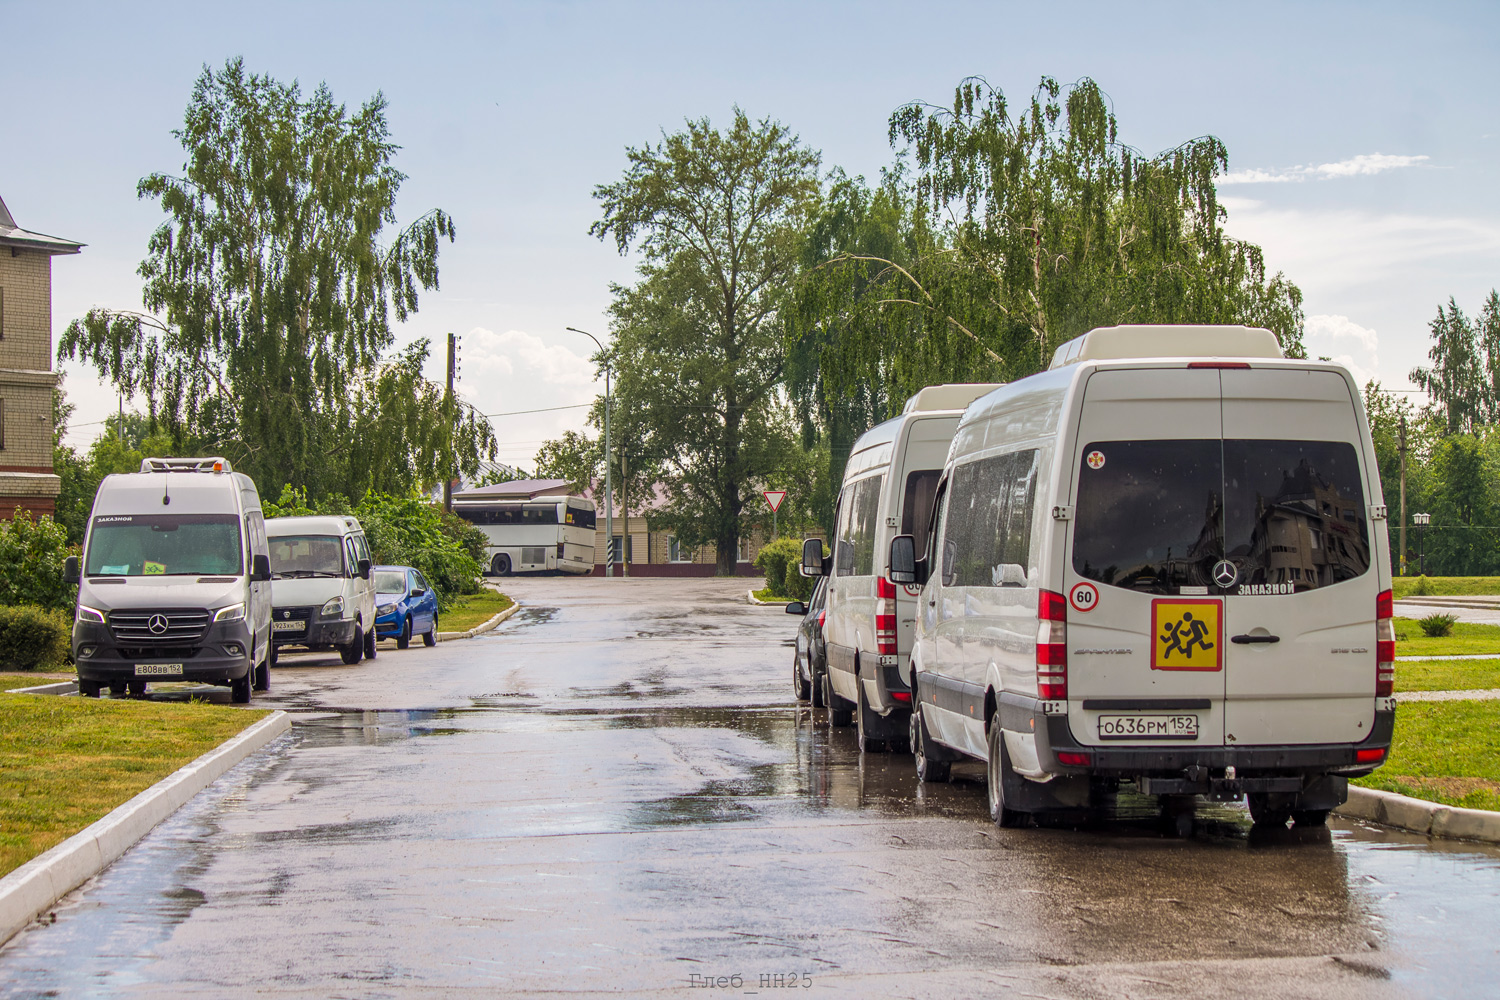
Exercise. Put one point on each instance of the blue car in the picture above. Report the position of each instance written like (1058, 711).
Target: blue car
(405, 605)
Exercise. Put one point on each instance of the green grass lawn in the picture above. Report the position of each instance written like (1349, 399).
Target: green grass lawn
(769, 594)
(1445, 751)
(476, 610)
(1464, 638)
(1448, 675)
(1445, 586)
(65, 762)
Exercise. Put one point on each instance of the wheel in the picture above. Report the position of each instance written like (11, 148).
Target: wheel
(370, 638)
(1310, 817)
(1262, 813)
(815, 687)
(928, 770)
(501, 565)
(273, 655)
(801, 689)
(837, 716)
(117, 689)
(137, 689)
(404, 639)
(997, 767)
(263, 673)
(88, 689)
(239, 688)
(864, 719)
(429, 638)
(355, 649)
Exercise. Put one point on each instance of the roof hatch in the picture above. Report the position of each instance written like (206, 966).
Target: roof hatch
(1117, 343)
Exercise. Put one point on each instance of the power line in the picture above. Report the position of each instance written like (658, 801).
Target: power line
(545, 409)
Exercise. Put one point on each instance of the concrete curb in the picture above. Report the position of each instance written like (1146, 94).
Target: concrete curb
(32, 888)
(770, 604)
(1420, 816)
(482, 626)
(61, 687)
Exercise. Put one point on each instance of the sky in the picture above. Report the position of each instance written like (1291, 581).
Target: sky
(1364, 141)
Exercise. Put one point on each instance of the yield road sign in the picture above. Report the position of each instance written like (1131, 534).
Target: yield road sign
(774, 498)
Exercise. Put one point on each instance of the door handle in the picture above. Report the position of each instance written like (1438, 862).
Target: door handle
(1245, 640)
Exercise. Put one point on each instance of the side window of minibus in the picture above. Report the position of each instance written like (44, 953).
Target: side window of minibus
(843, 556)
(351, 559)
(944, 545)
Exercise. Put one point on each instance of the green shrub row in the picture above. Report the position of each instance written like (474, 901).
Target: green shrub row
(33, 638)
(781, 562)
(32, 553)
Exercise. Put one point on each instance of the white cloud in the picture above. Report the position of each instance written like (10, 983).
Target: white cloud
(517, 353)
(1345, 341)
(1362, 165)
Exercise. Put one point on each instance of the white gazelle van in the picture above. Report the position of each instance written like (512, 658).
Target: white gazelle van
(889, 482)
(322, 591)
(1161, 561)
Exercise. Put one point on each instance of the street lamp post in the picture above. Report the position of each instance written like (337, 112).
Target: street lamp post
(609, 498)
(1421, 521)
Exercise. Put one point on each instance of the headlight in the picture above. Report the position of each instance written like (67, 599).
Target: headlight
(334, 608)
(233, 613)
(90, 615)
(384, 609)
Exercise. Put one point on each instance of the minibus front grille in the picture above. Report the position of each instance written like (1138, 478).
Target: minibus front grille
(156, 628)
(158, 652)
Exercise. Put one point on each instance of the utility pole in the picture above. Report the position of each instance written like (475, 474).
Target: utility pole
(625, 510)
(609, 496)
(448, 413)
(1402, 533)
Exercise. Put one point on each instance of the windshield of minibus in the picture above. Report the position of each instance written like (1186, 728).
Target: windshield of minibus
(165, 545)
(298, 556)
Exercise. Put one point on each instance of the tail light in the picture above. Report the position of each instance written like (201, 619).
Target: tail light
(1074, 759)
(1052, 646)
(821, 615)
(1385, 645)
(885, 616)
(1369, 755)
(902, 696)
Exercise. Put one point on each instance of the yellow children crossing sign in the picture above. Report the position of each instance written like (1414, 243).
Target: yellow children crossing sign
(1187, 635)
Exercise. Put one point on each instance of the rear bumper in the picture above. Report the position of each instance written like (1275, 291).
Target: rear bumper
(1195, 769)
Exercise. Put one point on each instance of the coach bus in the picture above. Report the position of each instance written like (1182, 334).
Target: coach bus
(536, 535)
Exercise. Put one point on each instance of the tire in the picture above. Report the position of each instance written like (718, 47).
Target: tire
(429, 638)
(816, 686)
(863, 717)
(239, 688)
(1310, 817)
(263, 673)
(404, 639)
(370, 638)
(500, 565)
(929, 771)
(118, 689)
(801, 689)
(351, 653)
(137, 689)
(1264, 814)
(273, 655)
(837, 716)
(88, 689)
(997, 766)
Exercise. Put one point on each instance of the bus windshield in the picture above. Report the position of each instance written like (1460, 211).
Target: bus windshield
(165, 545)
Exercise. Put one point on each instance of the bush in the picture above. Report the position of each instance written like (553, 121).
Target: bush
(410, 531)
(795, 585)
(1437, 625)
(1421, 588)
(33, 638)
(31, 563)
(774, 559)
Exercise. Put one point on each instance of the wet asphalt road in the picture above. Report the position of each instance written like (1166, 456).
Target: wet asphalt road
(613, 794)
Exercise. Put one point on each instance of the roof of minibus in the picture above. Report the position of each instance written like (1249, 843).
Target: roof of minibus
(188, 492)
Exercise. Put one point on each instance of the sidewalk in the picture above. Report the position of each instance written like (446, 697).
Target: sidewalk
(1475, 610)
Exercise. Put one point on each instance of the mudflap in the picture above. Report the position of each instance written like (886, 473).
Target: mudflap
(1064, 793)
(1321, 791)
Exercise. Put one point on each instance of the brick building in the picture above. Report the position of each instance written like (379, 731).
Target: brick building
(26, 376)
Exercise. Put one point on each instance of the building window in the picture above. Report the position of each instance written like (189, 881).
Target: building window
(617, 545)
(677, 552)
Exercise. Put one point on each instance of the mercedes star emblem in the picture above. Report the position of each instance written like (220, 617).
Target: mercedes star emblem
(157, 624)
(1225, 573)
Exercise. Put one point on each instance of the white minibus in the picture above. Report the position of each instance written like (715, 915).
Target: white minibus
(1161, 562)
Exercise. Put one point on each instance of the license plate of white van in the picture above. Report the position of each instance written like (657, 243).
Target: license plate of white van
(287, 626)
(158, 669)
(1148, 727)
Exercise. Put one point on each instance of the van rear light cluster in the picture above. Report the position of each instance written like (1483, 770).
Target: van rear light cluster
(1052, 646)
(1074, 759)
(1385, 645)
(885, 616)
(1369, 755)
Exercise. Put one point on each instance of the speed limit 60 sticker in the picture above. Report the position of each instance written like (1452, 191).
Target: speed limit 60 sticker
(1083, 596)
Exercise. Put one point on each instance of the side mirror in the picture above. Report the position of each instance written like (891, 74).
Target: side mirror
(796, 608)
(363, 570)
(813, 563)
(260, 568)
(70, 570)
(902, 568)
(418, 592)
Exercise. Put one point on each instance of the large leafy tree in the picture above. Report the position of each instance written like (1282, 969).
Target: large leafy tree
(1016, 232)
(269, 293)
(718, 217)
(1456, 380)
